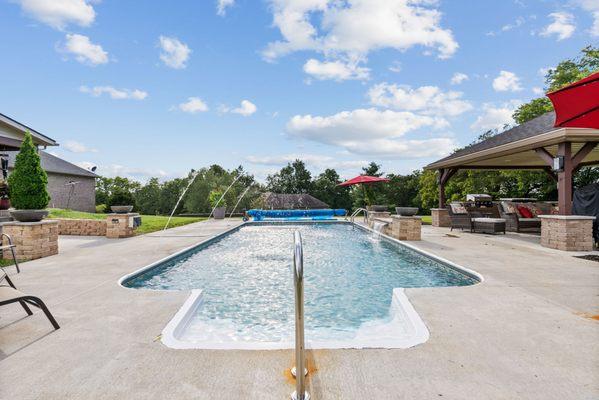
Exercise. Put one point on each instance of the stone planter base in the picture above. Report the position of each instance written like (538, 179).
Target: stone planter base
(120, 225)
(372, 215)
(33, 240)
(401, 228)
(567, 232)
(440, 217)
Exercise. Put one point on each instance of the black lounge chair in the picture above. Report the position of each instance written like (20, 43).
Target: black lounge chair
(9, 294)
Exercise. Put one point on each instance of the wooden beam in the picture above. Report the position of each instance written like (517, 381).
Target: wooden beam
(545, 155)
(551, 174)
(564, 179)
(444, 176)
(582, 153)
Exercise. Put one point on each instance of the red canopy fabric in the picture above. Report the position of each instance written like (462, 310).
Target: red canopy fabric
(577, 105)
(363, 179)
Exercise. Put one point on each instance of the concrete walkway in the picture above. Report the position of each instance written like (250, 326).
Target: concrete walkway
(527, 332)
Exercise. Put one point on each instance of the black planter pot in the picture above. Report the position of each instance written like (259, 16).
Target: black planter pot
(29, 215)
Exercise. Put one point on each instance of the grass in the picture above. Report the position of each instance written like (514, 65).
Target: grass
(149, 223)
(427, 220)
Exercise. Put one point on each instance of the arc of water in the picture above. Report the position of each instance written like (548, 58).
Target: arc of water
(179, 200)
(239, 201)
(223, 195)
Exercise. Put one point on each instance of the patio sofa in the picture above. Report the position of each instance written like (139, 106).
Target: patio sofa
(466, 216)
(520, 217)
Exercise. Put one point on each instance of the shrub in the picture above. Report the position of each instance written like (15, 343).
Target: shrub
(28, 180)
(214, 196)
(121, 198)
(101, 208)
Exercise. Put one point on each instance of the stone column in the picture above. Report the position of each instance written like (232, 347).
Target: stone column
(440, 217)
(372, 215)
(567, 232)
(120, 225)
(33, 240)
(406, 228)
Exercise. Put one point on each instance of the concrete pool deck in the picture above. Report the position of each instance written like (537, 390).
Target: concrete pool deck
(527, 332)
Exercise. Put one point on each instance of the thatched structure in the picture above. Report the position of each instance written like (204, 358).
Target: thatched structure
(279, 201)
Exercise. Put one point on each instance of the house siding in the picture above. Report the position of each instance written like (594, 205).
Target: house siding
(83, 197)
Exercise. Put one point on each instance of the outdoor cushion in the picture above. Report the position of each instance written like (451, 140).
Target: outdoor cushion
(529, 219)
(458, 208)
(509, 207)
(534, 208)
(525, 212)
(490, 220)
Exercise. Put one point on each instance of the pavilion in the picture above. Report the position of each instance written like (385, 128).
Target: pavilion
(559, 143)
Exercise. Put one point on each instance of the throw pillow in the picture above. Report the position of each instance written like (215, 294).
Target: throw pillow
(525, 212)
(458, 208)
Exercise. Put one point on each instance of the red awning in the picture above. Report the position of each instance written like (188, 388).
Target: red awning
(363, 179)
(577, 105)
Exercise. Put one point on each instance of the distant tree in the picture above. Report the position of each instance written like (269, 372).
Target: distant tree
(402, 190)
(294, 178)
(169, 194)
(325, 187)
(147, 197)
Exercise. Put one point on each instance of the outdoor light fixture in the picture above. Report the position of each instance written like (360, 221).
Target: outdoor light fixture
(558, 164)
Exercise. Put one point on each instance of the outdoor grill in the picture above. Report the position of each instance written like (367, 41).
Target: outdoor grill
(480, 200)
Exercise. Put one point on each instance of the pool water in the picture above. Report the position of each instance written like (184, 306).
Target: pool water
(247, 282)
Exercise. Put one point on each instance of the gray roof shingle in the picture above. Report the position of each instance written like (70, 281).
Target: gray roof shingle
(537, 126)
(53, 164)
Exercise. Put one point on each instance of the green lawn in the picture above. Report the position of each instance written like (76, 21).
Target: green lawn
(149, 223)
(427, 220)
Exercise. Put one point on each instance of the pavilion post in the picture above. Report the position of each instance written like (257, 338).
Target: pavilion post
(564, 179)
(444, 175)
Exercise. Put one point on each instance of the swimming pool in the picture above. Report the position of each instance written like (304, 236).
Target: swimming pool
(243, 288)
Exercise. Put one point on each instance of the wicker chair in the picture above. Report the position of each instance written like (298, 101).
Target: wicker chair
(459, 220)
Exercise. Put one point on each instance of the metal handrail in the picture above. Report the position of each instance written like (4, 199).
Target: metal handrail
(12, 249)
(298, 283)
(358, 211)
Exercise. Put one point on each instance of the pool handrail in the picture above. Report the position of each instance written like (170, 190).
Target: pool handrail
(298, 283)
(358, 211)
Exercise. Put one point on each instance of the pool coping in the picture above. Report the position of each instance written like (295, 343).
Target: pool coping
(399, 303)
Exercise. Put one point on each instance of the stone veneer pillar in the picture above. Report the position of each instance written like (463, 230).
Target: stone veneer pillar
(567, 232)
(440, 217)
(406, 228)
(372, 215)
(33, 240)
(120, 225)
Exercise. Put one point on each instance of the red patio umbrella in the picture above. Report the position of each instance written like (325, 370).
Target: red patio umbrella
(577, 105)
(363, 179)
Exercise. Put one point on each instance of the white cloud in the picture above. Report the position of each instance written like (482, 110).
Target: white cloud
(84, 50)
(507, 81)
(335, 70)
(174, 53)
(193, 105)
(246, 108)
(372, 132)
(429, 100)
(395, 67)
(222, 5)
(544, 71)
(59, 13)
(562, 26)
(117, 94)
(538, 90)
(312, 160)
(112, 170)
(593, 7)
(355, 28)
(458, 78)
(495, 117)
(78, 147)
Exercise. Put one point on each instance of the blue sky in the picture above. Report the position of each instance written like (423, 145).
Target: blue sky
(155, 88)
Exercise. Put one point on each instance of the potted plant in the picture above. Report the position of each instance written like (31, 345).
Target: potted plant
(213, 198)
(28, 181)
(121, 201)
(4, 200)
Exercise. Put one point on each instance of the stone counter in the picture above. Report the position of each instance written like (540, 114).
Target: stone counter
(82, 227)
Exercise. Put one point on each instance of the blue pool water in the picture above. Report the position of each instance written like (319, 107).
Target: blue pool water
(246, 278)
